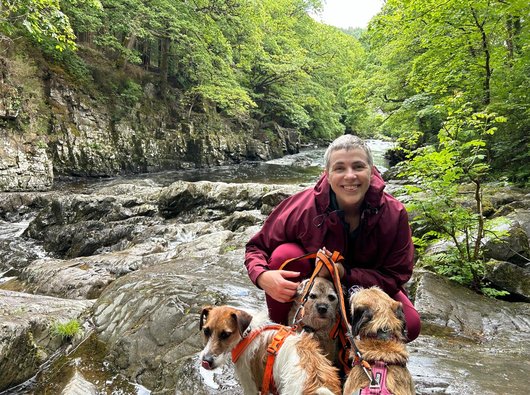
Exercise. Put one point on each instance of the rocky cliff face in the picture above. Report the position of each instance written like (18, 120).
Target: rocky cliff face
(51, 126)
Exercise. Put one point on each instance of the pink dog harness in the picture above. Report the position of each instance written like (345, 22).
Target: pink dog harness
(378, 387)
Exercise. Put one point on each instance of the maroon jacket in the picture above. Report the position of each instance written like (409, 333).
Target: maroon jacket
(381, 254)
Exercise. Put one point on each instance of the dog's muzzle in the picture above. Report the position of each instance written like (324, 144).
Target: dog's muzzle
(322, 309)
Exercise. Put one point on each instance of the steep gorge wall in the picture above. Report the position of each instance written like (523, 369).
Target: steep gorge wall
(52, 127)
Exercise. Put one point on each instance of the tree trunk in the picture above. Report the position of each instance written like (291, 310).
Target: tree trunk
(486, 98)
(164, 64)
(129, 45)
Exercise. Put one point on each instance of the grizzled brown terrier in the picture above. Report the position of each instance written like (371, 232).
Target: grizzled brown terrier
(320, 313)
(378, 326)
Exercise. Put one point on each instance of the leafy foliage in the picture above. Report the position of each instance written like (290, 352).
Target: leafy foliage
(67, 330)
(42, 20)
(439, 172)
(422, 53)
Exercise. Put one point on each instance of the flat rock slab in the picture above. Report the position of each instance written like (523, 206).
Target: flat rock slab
(26, 335)
(470, 344)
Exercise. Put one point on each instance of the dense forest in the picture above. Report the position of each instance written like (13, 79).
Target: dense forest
(423, 72)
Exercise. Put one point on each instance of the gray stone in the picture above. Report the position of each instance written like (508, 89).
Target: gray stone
(78, 385)
(26, 336)
(510, 277)
(462, 312)
(512, 245)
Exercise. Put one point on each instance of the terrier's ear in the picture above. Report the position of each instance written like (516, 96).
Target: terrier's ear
(360, 316)
(398, 310)
(204, 315)
(242, 320)
(302, 287)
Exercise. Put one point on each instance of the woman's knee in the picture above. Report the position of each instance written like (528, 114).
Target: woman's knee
(288, 251)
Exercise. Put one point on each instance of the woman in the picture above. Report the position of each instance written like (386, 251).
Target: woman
(346, 211)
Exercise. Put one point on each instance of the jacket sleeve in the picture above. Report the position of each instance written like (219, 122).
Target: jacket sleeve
(393, 269)
(277, 229)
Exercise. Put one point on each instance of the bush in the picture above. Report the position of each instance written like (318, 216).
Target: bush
(67, 330)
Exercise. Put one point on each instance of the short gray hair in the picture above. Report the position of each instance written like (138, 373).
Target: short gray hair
(347, 142)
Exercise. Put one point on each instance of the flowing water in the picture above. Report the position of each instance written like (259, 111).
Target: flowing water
(301, 168)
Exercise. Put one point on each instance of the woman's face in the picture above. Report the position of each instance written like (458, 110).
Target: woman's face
(349, 176)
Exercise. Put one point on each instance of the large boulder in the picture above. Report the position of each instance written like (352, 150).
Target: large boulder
(507, 241)
(464, 337)
(512, 278)
(27, 338)
(214, 200)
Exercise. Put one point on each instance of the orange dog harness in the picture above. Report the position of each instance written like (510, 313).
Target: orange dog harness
(267, 384)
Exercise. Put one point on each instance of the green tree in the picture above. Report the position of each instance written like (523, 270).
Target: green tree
(42, 20)
(439, 172)
(421, 52)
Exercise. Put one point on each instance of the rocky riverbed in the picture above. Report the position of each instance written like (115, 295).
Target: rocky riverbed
(133, 261)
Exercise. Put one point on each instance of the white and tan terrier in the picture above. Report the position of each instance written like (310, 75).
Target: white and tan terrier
(299, 366)
(378, 324)
(319, 314)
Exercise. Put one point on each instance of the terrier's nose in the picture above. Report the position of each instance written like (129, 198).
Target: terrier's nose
(322, 309)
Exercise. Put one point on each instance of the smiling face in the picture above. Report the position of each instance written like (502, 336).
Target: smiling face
(349, 176)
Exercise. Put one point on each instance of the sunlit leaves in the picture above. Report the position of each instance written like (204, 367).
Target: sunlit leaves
(42, 20)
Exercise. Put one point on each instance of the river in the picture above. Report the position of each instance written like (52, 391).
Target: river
(301, 168)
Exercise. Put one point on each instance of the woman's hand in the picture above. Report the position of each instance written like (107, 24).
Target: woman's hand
(324, 272)
(276, 285)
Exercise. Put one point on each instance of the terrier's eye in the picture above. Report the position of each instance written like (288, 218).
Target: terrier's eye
(312, 296)
(207, 332)
(224, 335)
(332, 298)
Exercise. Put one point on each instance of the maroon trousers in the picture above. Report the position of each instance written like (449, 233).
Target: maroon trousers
(278, 311)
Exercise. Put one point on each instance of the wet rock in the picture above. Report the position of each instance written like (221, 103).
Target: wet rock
(26, 335)
(149, 318)
(71, 279)
(78, 385)
(271, 199)
(512, 278)
(464, 313)
(204, 197)
(522, 216)
(242, 219)
(511, 245)
(79, 225)
(464, 337)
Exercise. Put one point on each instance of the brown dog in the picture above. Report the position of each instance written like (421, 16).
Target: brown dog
(320, 313)
(299, 367)
(379, 323)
